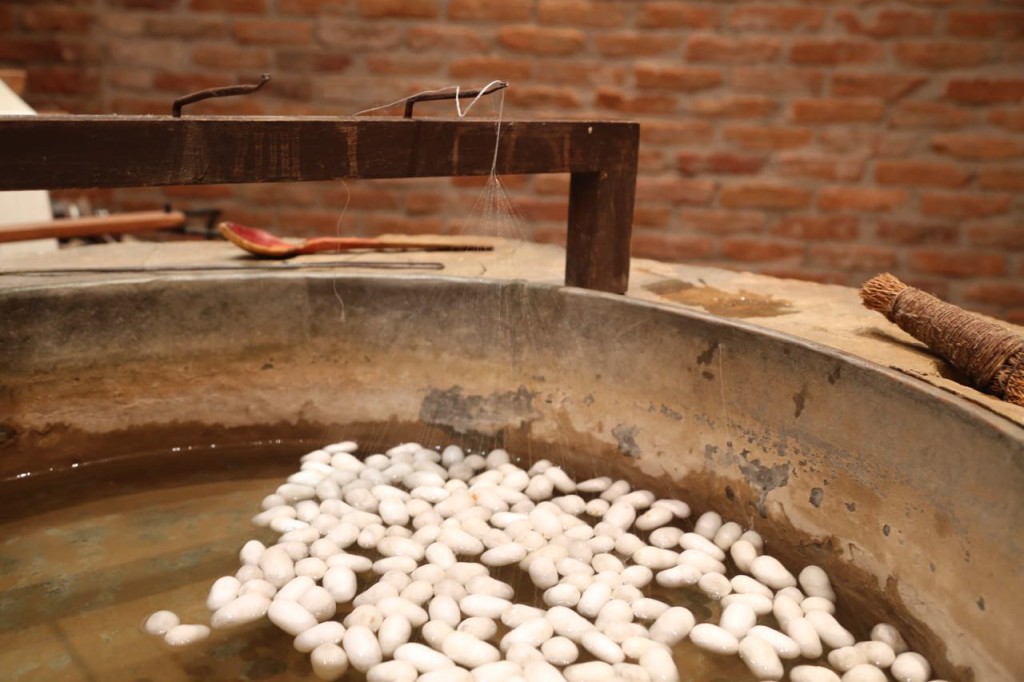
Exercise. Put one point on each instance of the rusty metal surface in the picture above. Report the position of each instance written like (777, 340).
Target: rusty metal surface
(912, 496)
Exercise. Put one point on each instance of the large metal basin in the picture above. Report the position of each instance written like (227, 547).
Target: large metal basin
(910, 497)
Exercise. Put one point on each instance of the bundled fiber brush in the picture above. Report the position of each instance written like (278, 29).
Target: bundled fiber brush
(991, 356)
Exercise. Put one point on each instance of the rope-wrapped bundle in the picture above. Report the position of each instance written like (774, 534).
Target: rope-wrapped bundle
(991, 356)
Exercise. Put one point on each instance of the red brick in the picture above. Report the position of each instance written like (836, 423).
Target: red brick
(635, 44)
(63, 80)
(818, 228)
(401, 65)
(670, 132)
(430, 37)
(57, 19)
(916, 233)
(161, 54)
(920, 174)
(674, 14)
(555, 183)
(851, 110)
(184, 82)
(871, 199)
(18, 50)
(669, 247)
(733, 106)
(855, 257)
(544, 209)
(986, 90)
(957, 263)
(380, 223)
(489, 10)
(674, 190)
(699, 163)
(887, 86)
(580, 72)
(1001, 177)
(122, 24)
(312, 7)
(130, 79)
(718, 221)
(617, 100)
(941, 54)
(887, 23)
(938, 287)
(144, 4)
(785, 18)
(765, 196)
(227, 57)
(424, 203)
(127, 106)
(1011, 119)
(985, 24)
(704, 47)
(767, 138)
(752, 249)
(283, 193)
(318, 61)
(834, 52)
(234, 6)
(600, 13)
(536, 40)
(978, 147)
(997, 236)
(543, 96)
(914, 114)
(962, 206)
(273, 32)
(363, 197)
(1003, 293)
(848, 168)
(652, 216)
(232, 106)
(778, 81)
(547, 234)
(399, 9)
(490, 67)
(849, 140)
(652, 161)
(673, 77)
(192, 27)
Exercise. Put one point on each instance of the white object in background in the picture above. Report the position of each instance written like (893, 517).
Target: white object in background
(22, 206)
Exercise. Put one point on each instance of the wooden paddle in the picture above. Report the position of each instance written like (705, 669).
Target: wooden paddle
(262, 243)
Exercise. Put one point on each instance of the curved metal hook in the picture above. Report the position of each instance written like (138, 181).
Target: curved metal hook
(224, 91)
(463, 94)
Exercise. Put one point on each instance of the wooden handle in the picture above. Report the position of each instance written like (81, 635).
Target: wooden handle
(120, 223)
(319, 244)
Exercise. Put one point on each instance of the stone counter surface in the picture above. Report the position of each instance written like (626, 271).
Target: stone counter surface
(823, 314)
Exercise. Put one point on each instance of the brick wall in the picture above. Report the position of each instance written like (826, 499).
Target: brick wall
(819, 140)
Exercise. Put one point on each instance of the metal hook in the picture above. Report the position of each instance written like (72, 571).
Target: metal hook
(464, 94)
(224, 91)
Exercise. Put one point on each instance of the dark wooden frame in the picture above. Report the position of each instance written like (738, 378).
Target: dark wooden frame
(60, 152)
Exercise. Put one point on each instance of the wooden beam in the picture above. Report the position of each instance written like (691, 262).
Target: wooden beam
(63, 152)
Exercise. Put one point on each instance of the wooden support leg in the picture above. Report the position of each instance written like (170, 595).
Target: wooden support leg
(600, 226)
